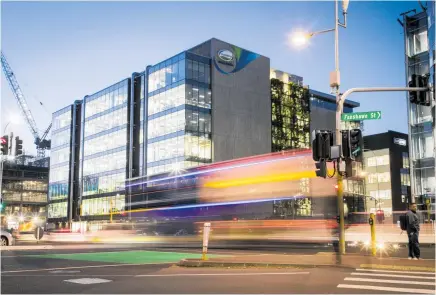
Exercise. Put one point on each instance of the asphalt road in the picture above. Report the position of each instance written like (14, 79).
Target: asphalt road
(127, 270)
(427, 251)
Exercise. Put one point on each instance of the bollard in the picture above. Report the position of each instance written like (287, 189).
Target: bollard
(372, 226)
(206, 232)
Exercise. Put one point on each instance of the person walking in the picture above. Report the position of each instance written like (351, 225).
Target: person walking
(413, 232)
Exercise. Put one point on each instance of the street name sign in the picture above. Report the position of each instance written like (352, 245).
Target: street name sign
(375, 115)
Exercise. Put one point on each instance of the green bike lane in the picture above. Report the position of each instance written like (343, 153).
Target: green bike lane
(46, 261)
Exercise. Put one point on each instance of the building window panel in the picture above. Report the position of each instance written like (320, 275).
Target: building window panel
(108, 162)
(106, 122)
(104, 205)
(61, 121)
(57, 210)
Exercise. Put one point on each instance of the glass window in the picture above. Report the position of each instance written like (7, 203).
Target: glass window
(103, 184)
(165, 149)
(182, 69)
(406, 160)
(102, 206)
(166, 124)
(62, 120)
(59, 173)
(108, 162)
(418, 42)
(58, 191)
(172, 98)
(60, 156)
(378, 161)
(192, 120)
(105, 142)
(106, 122)
(106, 99)
(189, 68)
(61, 138)
(57, 210)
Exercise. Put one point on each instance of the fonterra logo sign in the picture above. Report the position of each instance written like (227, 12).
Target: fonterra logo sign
(226, 57)
(235, 58)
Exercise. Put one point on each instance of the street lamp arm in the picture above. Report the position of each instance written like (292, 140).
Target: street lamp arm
(343, 97)
(344, 25)
(320, 32)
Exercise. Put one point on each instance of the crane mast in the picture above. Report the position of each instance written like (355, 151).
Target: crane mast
(41, 143)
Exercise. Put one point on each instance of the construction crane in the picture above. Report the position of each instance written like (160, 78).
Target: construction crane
(42, 144)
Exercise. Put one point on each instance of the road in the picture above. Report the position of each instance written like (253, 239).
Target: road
(135, 270)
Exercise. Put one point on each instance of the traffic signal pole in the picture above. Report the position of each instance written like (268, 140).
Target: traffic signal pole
(340, 99)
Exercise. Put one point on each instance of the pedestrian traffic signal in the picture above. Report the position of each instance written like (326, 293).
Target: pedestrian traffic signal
(356, 143)
(18, 146)
(5, 145)
(321, 169)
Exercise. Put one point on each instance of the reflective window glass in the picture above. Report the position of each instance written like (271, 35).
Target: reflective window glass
(166, 100)
(62, 120)
(108, 162)
(167, 124)
(106, 122)
(105, 142)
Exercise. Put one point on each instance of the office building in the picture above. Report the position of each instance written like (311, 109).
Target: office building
(207, 104)
(24, 193)
(419, 32)
(386, 162)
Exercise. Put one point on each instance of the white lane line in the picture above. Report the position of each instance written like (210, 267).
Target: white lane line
(225, 274)
(391, 281)
(85, 266)
(397, 271)
(65, 271)
(389, 289)
(392, 276)
(88, 281)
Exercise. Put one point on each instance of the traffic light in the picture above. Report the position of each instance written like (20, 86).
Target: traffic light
(18, 146)
(321, 144)
(356, 142)
(419, 97)
(423, 96)
(321, 169)
(5, 145)
(413, 95)
(345, 143)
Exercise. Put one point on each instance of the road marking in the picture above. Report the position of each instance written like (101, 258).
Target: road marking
(85, 266)
(391, 289)
(390, 281)
(396, 271)
(88, 281)
(393, 276)
(65, 271)
(225, 274)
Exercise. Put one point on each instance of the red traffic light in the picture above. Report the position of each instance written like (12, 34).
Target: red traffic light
(3, 141)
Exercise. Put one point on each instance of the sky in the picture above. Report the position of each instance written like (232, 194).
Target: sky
(62, 51)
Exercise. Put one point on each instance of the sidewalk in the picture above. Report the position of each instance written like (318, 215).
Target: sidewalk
(316, 260)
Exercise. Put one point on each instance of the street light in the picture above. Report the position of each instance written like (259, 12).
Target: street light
(334, 83)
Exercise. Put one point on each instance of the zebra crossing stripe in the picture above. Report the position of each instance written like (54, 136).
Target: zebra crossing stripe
(393, 276)
(396, 271)
(391, 281)
(389, 289)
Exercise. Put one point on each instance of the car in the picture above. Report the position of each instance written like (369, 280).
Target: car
(6, 238)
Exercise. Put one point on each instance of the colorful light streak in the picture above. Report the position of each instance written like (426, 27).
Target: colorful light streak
(217, 169)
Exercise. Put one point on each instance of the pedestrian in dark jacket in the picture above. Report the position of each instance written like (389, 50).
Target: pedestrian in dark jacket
(413, 232)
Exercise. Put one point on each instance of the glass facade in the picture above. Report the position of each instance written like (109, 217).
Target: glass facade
(59, 175)
(179, 115)
(103, 205)
(420, 48)
(103, 154)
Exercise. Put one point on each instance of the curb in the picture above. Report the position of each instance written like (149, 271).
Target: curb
(201, 263)
(208, 263)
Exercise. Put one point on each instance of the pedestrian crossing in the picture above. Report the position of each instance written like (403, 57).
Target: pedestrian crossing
(413, 282)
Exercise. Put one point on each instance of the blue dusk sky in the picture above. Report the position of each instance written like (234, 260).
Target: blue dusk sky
(62, 51)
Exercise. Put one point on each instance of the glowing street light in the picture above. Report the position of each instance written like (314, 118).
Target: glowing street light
(299, 38)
